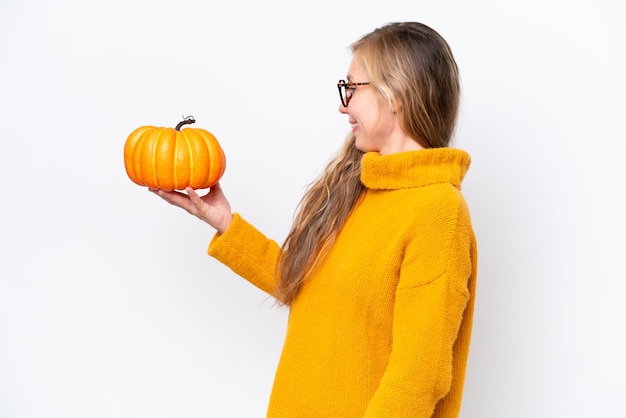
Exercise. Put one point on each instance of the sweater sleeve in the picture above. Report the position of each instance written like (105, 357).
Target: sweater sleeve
(431, 299)
(247, 252)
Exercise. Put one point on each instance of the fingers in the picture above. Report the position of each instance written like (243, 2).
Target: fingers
(191, 201)
(174, 198)
(192, 195)
(212, 208)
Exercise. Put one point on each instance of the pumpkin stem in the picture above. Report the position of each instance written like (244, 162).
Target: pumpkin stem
(186, 121)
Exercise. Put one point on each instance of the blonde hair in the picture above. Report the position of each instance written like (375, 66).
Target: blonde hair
(411, 67)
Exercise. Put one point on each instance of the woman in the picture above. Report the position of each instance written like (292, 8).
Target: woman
(379, 268)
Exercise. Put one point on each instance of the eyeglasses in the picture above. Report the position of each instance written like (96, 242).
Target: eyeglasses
(346, 90)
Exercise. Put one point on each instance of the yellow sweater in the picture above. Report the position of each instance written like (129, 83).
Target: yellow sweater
(382, 329)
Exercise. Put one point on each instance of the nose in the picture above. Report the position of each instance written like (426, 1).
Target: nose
(343, 109)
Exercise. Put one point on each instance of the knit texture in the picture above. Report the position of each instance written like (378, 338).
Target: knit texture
(382, 327)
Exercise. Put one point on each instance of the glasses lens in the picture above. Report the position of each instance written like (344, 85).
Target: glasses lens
(347, 92)
(341, 85)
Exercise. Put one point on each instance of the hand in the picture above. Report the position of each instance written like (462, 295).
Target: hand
(213, 208)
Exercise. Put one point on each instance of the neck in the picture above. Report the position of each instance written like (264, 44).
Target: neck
(402, 144)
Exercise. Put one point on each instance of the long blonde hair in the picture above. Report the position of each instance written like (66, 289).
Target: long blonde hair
(407, 63)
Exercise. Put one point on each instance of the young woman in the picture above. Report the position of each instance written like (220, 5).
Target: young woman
(379, 268)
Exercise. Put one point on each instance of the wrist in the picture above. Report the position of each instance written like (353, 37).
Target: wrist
(225, 223)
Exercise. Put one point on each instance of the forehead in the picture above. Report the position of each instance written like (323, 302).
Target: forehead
(356, 71)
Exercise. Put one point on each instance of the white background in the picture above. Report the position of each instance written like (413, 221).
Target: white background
(109, 305)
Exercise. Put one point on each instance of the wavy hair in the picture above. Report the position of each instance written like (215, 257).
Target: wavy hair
(411, 67)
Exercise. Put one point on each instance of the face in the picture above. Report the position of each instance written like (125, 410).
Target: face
(374, 124)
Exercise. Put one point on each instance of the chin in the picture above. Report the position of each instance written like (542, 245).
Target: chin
(364, 147)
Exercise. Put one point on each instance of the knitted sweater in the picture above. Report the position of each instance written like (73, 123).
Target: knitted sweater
(382, 328)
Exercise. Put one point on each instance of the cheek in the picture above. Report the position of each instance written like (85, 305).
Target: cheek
(378, 127)
(368, 119)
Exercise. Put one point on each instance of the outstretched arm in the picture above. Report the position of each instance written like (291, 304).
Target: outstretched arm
(242, 248)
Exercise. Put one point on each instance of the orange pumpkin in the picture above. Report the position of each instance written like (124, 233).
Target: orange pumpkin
(173, 159)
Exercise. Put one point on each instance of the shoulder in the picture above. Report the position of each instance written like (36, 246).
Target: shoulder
(441, 236)
(438, 204)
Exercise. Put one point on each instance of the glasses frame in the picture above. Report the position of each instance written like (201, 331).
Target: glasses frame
(346, 90)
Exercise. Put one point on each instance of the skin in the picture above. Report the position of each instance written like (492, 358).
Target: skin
(212, 208)
(374, 123)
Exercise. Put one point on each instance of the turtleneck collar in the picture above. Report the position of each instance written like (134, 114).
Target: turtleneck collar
(413, 169)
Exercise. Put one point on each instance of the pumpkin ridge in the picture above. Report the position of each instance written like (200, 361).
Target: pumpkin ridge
(206, 142)
(146, 158)
(191, 161)
(153, 163)
(132, 154)
(136, 159)
(212, 172)
(202, 162)
(175, 159)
